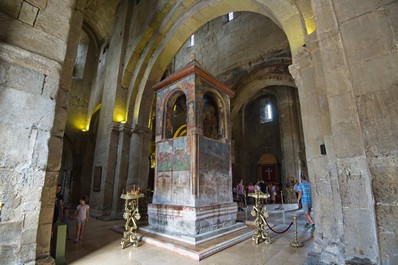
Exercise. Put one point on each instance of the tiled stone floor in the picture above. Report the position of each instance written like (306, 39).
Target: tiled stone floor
(102, 245)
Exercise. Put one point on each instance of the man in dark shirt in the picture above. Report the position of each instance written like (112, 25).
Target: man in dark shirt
(59, 205)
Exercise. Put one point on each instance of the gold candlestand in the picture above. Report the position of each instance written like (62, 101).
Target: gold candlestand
(131, 215)
(260, 212)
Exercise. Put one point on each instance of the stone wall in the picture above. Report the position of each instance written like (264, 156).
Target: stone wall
(32, 54)
(231, 50)
(353, 118)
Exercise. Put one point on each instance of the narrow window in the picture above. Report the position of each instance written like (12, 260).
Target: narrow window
(266, 114)
(230, 16)
(192, 40)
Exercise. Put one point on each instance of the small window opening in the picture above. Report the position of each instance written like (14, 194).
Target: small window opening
(192, 40)
(266, 114)
(230, 16)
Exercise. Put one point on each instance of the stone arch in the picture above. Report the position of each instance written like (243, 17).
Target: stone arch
(175, 113)
(176, 28)
(249, 87)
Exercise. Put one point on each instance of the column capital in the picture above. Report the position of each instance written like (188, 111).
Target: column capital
(137, 128)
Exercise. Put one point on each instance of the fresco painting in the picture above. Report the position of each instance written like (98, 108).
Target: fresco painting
(163, 187)
(164, 161)
(214, 155)
(180, 187)
(173, 155)
(181, 158)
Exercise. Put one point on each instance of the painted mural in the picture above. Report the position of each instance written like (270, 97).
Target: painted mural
(215, 181)
(216, 155)
(181, 188)
(163, 186)
(181, 159)
(173, 156)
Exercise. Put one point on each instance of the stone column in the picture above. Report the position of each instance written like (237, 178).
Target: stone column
(103, 180)
(290, 136)
(138, 170)
(112, 113)
(343, 190)
(121, 171)
(321, 169)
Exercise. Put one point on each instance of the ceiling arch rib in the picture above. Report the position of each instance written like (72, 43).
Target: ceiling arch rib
(164, 46)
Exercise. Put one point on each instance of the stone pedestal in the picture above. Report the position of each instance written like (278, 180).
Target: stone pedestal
(193, 225)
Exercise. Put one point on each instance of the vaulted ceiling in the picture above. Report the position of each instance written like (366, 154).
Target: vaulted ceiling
(99, 15)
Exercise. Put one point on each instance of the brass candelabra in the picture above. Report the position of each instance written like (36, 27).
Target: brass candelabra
(131, 215)
(260, 212)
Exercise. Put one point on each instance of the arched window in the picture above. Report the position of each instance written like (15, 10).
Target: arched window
(191, 41)
(266, 113)
(176, 116)
(81, 56)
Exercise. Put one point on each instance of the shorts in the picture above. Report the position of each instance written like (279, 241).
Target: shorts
(307, 207)
(80, 221)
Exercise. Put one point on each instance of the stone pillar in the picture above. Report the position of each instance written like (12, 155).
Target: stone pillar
(35, 71)
(138, 170)
(290, 136)
(343, 189)
(103, 178)
(112, 113)
(121, 170)
(321, 169)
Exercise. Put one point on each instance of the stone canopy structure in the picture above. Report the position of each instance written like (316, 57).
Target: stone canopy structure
(193, 182)
(315, 85)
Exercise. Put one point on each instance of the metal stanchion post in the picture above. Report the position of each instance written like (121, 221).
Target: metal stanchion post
(296, 243)
(281, 208)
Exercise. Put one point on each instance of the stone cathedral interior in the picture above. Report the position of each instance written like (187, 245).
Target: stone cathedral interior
(312, 88)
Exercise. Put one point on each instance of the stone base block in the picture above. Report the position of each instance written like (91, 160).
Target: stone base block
(192, 224)
(200, 251)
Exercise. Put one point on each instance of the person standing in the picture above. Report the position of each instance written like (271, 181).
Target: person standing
(306, 201)
(257, 186)
(59, 205)
(81, 217)
(273, 193)
(297, 191)
(241, 195)
(250, 189)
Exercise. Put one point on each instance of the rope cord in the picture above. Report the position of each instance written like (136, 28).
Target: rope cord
(278, 232)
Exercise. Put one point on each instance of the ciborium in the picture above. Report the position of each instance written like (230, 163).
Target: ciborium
(131, 215)
(260, 212)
